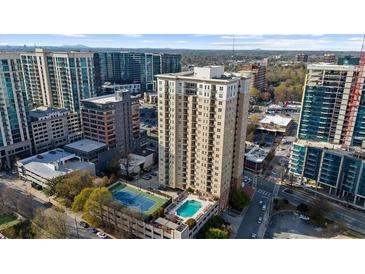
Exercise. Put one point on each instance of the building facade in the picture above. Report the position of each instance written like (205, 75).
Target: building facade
(134, 67)
(330, 146)
(14, 133)
(258, 72)
(59, 79)
(108, 119)
(301, 57)
(202, 118)
(53, 127)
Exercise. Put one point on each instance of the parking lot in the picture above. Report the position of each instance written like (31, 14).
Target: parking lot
(288, 225)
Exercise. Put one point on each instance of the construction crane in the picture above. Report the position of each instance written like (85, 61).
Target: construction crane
(354, 99)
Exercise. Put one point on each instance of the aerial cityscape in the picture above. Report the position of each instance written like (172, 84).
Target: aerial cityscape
(182, 136)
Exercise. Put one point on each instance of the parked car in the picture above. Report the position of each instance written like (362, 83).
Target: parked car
(83, 224)
(153, 173)
(261, 202)
(146, 177)
(253, 236)
(101, 235)
(264, 207)
(303, 217)
(259, 221)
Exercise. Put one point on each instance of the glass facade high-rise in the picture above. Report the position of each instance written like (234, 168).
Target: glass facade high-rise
(133, 67)
(14, 119)
(331, 133)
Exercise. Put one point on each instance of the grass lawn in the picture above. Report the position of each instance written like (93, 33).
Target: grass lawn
(7, 220)
(159, 201)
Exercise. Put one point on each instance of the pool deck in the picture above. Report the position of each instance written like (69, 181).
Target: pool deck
(205, 206)
(158, 199)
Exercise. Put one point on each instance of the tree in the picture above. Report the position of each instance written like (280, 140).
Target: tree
(50, 225)
(302, 207)
(254, 92)
(254, 118)
(160, 212)
(239, 199)
(81, 198)
(93, 207)
(113, 167)
(216, 233)
(191, 223)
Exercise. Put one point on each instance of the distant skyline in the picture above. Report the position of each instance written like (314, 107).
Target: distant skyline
(331, 42)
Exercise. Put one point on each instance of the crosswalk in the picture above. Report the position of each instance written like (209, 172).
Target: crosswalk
(264, 192)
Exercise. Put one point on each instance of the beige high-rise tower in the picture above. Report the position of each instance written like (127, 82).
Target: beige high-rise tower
(202, 118)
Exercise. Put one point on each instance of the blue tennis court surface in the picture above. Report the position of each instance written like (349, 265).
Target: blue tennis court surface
(134, 200)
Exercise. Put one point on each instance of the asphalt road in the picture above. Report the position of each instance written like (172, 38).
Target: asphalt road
(353, 219)
(250, 223)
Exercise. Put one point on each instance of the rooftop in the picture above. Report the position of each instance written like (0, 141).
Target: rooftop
(107, 99)
(257, 154)
(326, 66)
(276, 119)
(46, 111)
(53, 163)
(85, 145)
(211, 73)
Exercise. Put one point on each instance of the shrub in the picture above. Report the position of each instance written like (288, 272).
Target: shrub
(158, 213)
(191, 223)
(216, 233)
(190, 190)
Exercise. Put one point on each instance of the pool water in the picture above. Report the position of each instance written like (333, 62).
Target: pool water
(188, 209)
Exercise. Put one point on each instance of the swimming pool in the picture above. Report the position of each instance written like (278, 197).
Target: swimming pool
(188, 209)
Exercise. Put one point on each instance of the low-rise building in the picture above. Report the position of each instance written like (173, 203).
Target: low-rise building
(277, 124)
(53, 127)
(41, 168)
(256, 158)
(92, 151)
(141, 159)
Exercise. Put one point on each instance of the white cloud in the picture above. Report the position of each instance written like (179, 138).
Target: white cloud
(147, 41)
(241, 36)
(74, 35)
(182, 42)
(132, 35)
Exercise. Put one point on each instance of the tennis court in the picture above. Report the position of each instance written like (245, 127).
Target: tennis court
(137, 199)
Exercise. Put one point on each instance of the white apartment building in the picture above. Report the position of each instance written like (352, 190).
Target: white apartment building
(202, 118)
(59, 79)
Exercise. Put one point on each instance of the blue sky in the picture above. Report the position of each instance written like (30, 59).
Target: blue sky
(191, 41)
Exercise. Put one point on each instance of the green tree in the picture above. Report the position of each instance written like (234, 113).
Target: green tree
(254, 92)
(98, 198)
(216, 233)
(191, 223)
(239, 199)
(81, 198)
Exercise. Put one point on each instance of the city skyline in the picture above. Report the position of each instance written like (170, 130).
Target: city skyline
(329, 42)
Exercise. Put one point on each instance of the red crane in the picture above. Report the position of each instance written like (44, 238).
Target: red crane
(354, 99)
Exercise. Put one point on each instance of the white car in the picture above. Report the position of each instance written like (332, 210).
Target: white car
(303, 217)
(259, 221)
(253, 236)
(101, 235)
